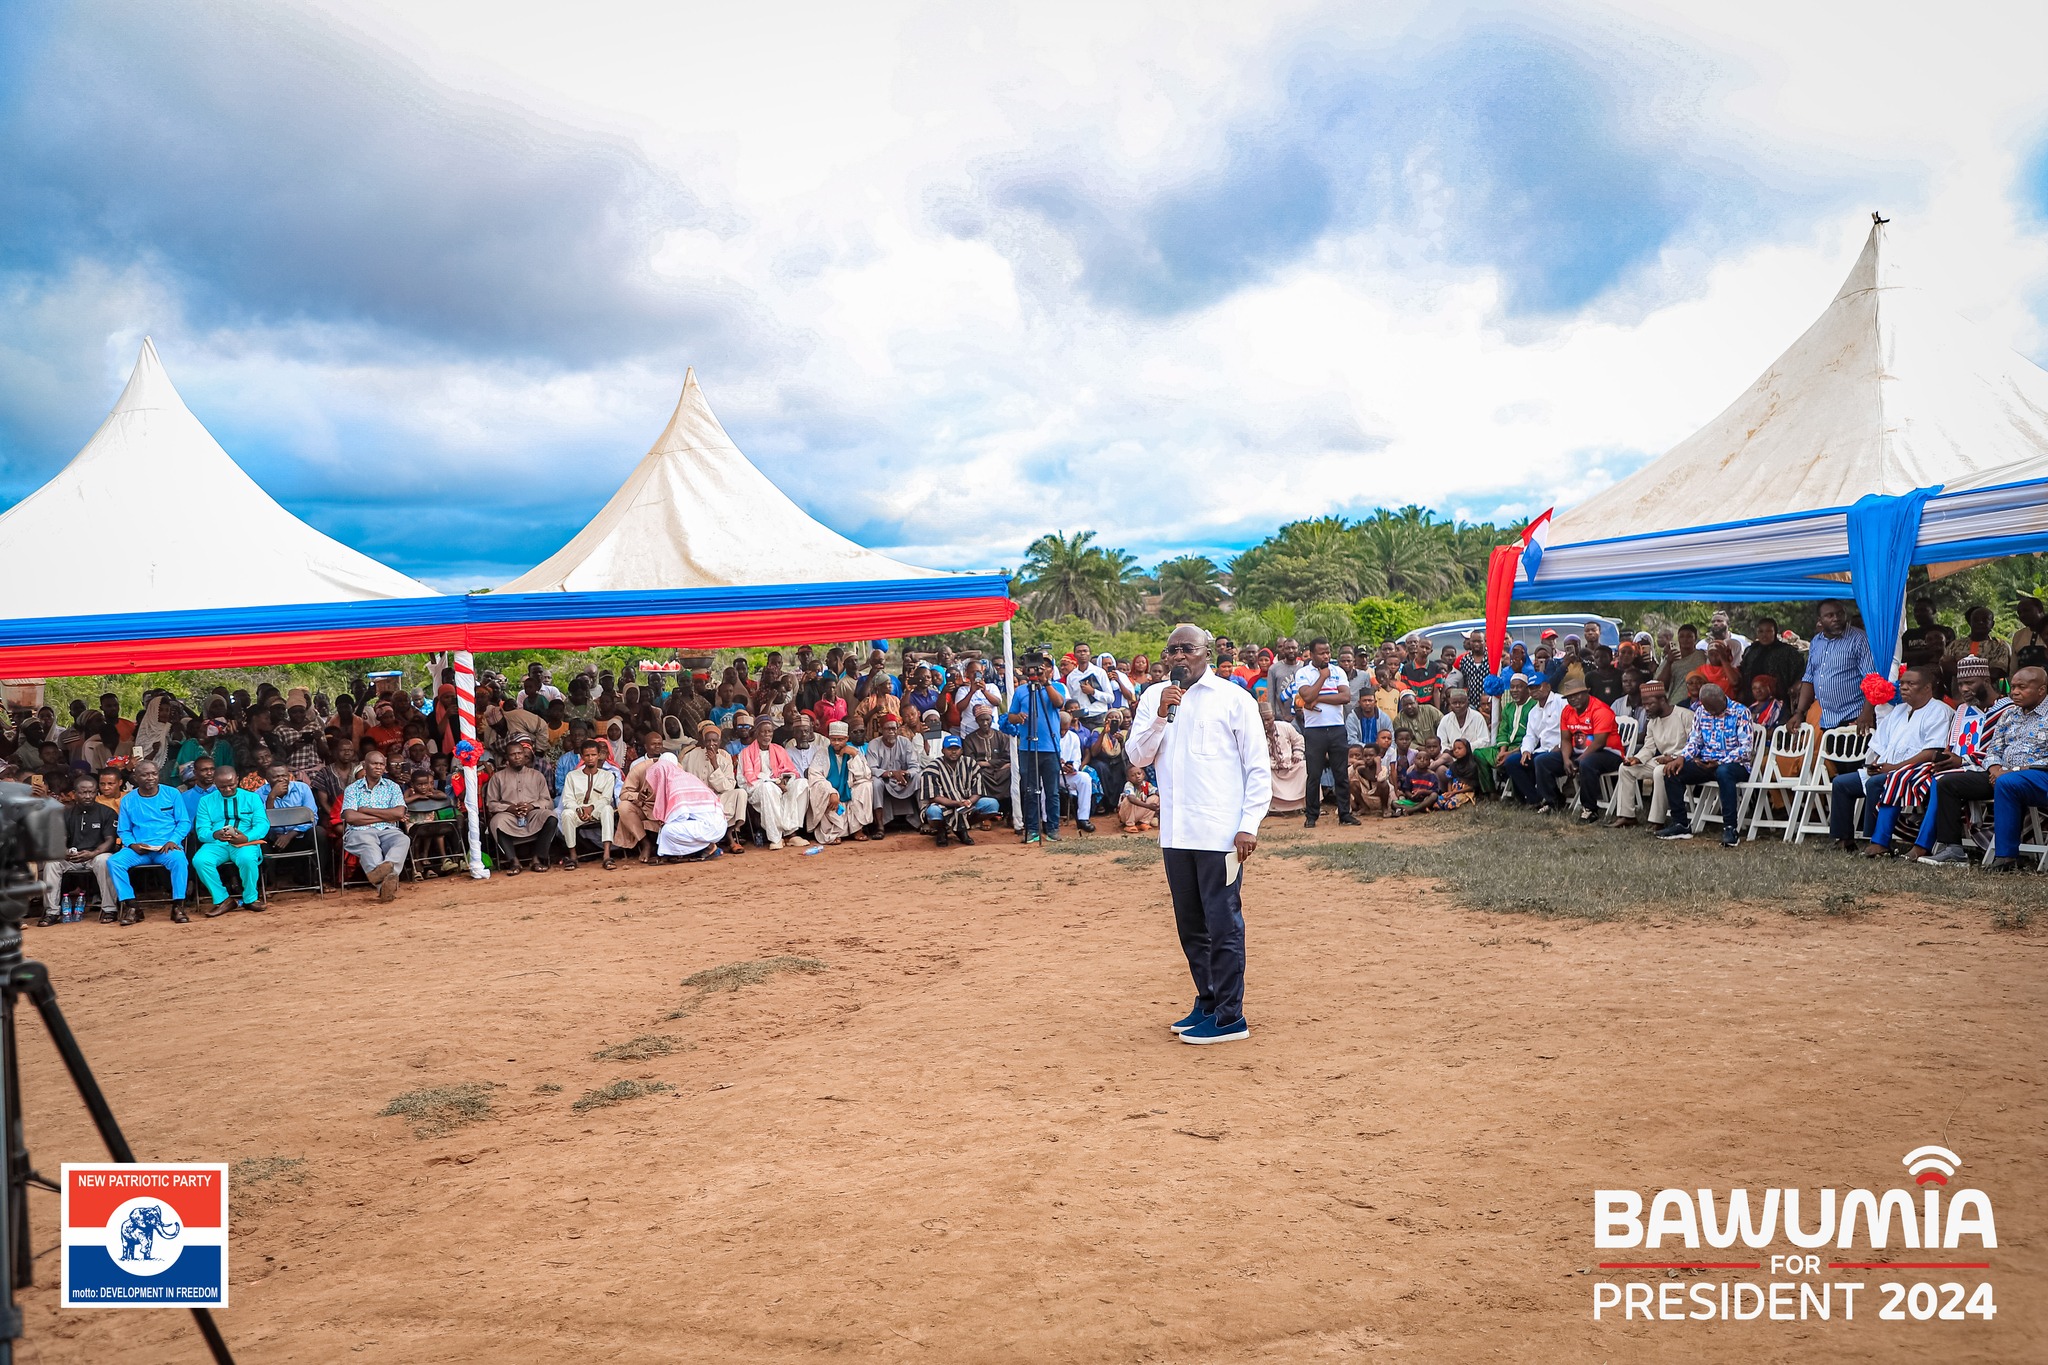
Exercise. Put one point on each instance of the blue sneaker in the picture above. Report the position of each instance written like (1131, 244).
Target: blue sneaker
(1209, 1031)
(1195, 1016)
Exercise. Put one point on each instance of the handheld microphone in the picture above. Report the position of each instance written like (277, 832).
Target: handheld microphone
(1179, 678)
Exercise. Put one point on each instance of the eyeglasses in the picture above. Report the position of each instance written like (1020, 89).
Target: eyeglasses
(1172, 650)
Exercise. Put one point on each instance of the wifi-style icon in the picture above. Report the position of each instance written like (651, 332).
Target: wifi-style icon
(1932, 1165)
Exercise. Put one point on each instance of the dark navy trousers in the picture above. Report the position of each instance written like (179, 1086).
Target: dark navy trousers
(1210, 917)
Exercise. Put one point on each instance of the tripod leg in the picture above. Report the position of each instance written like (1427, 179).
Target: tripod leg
(34, 978)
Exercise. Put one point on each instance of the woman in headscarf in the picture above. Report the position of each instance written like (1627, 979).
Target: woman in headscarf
(1290, 768)
(152, 731)
(615, 743)
(691, 821)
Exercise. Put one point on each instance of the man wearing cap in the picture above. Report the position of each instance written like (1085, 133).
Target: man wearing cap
(1959, 776)
(1586, 750)
(779, 794)
(952, 793)
(709, 763)
(1508, 728)
(1540, 736)
(853, 788)
(1208, 745)
(1662, 733)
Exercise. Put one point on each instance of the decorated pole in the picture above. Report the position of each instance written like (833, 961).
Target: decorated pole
(1010, 682)
(466, 754)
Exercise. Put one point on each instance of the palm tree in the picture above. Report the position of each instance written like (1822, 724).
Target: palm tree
(1072, 576)
(1060, 576)
(1187, 582)
(1306, 562)
(1410, 552)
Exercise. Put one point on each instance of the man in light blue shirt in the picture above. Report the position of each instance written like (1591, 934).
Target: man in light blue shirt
(1836, 663)
(231, 825)
(1033, 720)
(153, 825)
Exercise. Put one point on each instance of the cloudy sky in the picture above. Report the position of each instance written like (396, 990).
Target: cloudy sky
(957, 274)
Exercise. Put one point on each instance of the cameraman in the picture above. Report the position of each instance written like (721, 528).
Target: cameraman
(1034, 722)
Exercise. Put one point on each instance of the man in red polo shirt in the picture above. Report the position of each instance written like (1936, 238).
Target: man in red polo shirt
(1589, 747)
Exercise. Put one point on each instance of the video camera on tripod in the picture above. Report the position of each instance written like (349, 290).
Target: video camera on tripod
(32, 831)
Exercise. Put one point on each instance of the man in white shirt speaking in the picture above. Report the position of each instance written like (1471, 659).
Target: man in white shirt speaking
(1204, 736)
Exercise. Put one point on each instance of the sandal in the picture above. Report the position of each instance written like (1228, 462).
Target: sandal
(512, 868)
(609, 865)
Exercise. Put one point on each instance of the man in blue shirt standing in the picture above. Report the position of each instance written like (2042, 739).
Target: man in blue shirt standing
(1034, 722)
(1836, 663)
(231, 824)
(153, 827)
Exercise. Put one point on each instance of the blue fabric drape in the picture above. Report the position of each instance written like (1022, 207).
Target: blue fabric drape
(1882, 534)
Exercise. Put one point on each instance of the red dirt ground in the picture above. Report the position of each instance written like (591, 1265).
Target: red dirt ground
(971, 1138)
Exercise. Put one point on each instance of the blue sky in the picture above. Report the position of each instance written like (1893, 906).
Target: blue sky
(956, 275)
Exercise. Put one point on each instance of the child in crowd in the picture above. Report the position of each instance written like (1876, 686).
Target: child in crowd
(428, 829)
(1460, 778)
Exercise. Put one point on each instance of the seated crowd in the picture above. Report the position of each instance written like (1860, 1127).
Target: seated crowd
(1966, 723)
(833, 747)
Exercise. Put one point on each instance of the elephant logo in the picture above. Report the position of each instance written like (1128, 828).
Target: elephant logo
(144, 1224)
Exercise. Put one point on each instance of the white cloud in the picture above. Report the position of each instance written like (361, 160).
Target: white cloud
(931, 389)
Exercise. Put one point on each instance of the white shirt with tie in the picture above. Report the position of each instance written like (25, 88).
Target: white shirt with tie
(1215, 771)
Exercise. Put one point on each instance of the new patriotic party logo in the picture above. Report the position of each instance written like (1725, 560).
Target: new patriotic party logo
(145, 1236)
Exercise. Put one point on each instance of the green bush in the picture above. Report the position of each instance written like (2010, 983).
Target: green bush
(1385, 618)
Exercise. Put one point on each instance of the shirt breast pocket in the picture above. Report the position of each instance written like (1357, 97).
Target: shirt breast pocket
(1211, 737)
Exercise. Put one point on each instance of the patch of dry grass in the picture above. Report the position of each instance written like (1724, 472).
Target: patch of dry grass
(441, 1109)
(733, 976)
(641, 1049)
(618, 1092)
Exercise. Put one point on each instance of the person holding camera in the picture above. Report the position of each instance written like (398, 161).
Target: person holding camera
(1205, 739)
(1033, 720)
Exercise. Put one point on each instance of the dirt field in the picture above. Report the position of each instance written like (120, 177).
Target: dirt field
(970, 1136)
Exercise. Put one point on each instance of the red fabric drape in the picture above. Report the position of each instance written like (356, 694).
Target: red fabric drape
(1500, 596)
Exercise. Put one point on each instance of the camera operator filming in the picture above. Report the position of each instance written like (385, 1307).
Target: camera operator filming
(1203, 735)
(1034, 722)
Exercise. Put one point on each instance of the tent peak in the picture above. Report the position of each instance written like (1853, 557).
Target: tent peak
(149, 385)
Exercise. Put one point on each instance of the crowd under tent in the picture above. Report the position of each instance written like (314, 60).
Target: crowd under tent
(114, 549)
(1891, 433)
(697, 549)
(700, 548)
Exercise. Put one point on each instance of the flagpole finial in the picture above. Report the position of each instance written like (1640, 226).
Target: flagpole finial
(1878, 219)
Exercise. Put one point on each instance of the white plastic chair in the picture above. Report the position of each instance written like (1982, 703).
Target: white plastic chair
(1704, 799)
(1841, 745)
(1625, 740)
(1770, 785)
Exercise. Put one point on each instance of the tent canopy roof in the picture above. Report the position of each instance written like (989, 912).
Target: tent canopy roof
(153, 473)
(1886, 392)
(696, 513)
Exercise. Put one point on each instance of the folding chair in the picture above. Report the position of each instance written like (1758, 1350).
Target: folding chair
(293, 815)
(1841, 745)
(1770, 798)
(450, 826)
(1626, 730)
(1704, 799)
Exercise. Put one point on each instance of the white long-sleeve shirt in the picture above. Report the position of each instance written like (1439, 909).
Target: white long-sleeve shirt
(1543, 732)
(1215, 771)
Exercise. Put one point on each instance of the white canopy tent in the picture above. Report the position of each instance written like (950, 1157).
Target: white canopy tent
(696, 513)
(153, 475)
(1891, 433)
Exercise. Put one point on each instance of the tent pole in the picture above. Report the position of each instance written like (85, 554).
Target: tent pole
(1010, 681)
(465, 709)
